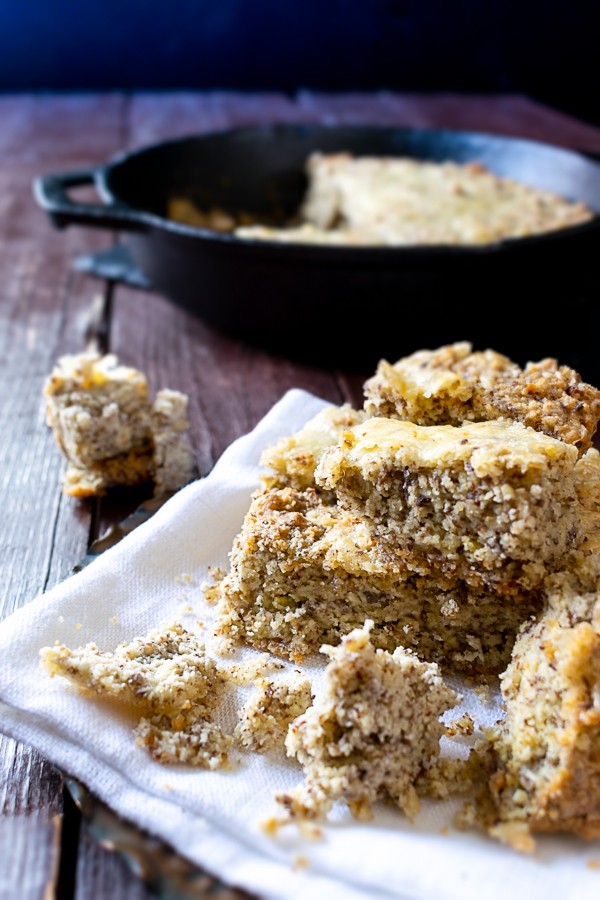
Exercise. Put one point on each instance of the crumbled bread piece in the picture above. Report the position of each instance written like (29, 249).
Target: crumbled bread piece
(292, 460)
(448, 776)
(488, 502)
(547, 774)
(173, 457)
(374, 728)
(265, 718)
(166, 680)
(304, 572)
(453, 384)
(200, 743)
(111, 432)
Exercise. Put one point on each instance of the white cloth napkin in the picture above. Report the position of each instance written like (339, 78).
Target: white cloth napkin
(153, 576)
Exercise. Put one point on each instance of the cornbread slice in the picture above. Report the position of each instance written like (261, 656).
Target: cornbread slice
(386, 200)
(166, 681)
(109, 429)
(265, 718)
(304, 572)
(487, 502)
(292, 460)
(453, 384)
(373, 729)
(547, 747)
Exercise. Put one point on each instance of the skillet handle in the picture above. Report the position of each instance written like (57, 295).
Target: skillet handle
(52, 195)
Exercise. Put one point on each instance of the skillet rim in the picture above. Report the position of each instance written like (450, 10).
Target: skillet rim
(104, 173)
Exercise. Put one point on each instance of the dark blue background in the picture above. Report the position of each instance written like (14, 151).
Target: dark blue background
(546, 49)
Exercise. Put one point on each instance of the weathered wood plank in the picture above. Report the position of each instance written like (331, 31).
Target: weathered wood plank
(43, 313)
(101, 873)
(510, 114)
(157, 117)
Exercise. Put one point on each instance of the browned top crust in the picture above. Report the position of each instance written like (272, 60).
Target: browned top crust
(452, 384)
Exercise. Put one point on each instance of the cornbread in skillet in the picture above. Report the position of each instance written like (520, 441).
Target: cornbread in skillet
(292, 460)
(111, 431)
(453, 384)
(399, 201)
(274, 704)
(304, 572)
(166, 680)
(486, 502)
(373, 729)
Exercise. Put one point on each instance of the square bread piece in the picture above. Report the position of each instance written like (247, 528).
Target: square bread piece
(373, 729)
(547, 774)
(487, 502)
(111, 431)
(304, 572)
(454, 384)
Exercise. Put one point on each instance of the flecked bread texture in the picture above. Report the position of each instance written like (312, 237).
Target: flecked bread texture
(547, 776)
(166, 681)
(487, 502)
(304, 572)
(291, 461)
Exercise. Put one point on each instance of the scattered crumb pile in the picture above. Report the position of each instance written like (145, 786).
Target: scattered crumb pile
(166, 680)
(264, 720)
(110, 430)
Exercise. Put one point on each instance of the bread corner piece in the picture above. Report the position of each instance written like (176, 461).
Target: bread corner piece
(111, 431)
(547, 774)
(488, 502)
(453, 384)
(291, 461)
(372, 731)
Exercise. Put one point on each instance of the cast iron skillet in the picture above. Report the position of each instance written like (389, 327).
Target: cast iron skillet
(527, 297)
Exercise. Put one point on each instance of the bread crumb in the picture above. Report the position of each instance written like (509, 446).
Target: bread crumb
(265, 718)
(463, 726)
(166, 680)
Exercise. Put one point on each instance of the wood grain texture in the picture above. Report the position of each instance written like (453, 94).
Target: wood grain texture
(46, 309)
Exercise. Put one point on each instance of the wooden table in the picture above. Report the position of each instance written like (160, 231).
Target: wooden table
(47, 308)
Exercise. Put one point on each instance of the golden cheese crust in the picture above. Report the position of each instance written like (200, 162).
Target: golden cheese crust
(453, 384)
